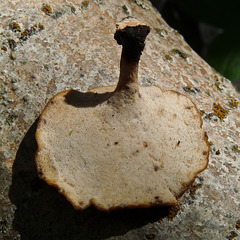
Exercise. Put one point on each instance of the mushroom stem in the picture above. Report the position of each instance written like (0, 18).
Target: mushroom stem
(131, 34)
(128, 78)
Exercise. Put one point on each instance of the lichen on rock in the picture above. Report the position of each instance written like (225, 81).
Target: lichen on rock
(77, 50)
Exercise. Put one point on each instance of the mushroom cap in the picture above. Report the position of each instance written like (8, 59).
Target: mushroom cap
(140, 153)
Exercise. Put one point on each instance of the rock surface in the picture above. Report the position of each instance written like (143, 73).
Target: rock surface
(57, 45)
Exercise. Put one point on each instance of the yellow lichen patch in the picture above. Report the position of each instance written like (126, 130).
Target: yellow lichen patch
(210, 143)
(205, 115)
(160, 220)
(233, 103)
(161, 32)
(168, 57)
(218, 83)
(180, 53)
(194, 188)
(238, 224)
(159, 20)
(219, 111)
(12, 43)
(190, 89)
(188, 48)
(15, 27)
(125, 9)
(214, 70)
(41, 27)
(232, 235)
(150, 236)
(24, 35)
(173, 212)
(47, 9)
(213, 150)
(73, 9)
(236, 148)
(202, 112)
(29, 32)
(85, 4)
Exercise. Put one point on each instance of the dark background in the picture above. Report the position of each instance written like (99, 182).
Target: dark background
(211, 28)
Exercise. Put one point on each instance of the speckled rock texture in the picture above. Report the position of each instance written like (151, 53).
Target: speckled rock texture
(47, 47)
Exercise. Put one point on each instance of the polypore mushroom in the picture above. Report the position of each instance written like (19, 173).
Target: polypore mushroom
(125, 145)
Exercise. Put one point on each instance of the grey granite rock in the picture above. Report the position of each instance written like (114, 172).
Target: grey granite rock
(56, 45)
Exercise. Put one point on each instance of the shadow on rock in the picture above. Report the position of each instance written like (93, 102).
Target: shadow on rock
(42, 213)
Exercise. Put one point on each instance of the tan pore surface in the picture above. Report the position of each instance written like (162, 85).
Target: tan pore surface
(137, 154)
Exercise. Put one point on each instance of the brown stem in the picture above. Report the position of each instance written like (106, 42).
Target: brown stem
(128, 78)
(131, 34)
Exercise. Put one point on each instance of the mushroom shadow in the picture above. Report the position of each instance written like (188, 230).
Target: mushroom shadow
(88, 99)
(43, 213)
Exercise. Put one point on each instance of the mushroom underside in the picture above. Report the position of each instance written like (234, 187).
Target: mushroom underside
(142, 153)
